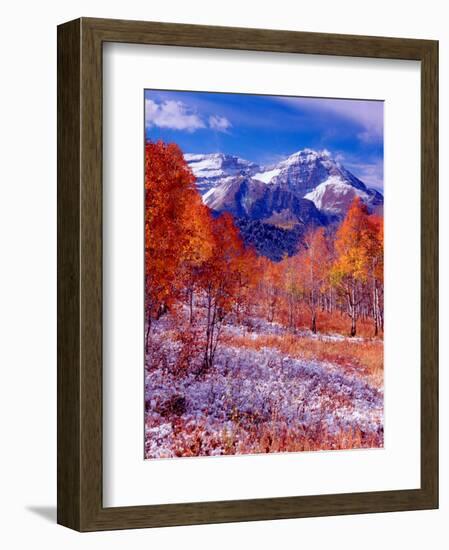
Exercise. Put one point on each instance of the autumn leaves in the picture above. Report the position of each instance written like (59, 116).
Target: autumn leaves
(338, 272)
(341, 271)
(198, 268)
(358, 268)
(192, 259)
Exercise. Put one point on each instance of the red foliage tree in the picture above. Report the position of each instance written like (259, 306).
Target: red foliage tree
(177, 227)
(313, 271)
(222, 276)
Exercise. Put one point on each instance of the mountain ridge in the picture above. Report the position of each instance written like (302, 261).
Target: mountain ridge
(281, 202)
(301, 173)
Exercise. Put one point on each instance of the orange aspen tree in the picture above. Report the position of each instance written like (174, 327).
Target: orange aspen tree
(375, 250)
(272, 282)
(314, 269)
(246, 281)
(351, 268)
(292, 287)
(177, 227)
(219, 281)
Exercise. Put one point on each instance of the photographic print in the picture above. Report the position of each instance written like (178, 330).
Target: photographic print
(264, 317)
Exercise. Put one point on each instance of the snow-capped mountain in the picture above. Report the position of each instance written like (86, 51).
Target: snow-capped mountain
(247, 197)
(275, 206)
(307, 174)
(211, 169)
(301, 172)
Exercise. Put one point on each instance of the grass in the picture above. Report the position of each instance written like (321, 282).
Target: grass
(245, 428)
(361, 357)
(331, 323)
(267, 438)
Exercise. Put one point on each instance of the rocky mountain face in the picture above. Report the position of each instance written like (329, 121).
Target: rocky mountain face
(246, 197)
(210, 170)
(275, 206)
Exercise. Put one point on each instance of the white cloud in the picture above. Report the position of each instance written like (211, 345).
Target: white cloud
(219, 123)
(367, 114)
(174, 115)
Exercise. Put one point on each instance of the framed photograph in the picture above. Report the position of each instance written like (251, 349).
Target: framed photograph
(247, 274)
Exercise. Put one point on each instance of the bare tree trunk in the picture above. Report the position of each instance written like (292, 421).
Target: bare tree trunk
(212, 332)
(215, 344)
(147, 336)
(376, 311)
(290, 312)
(206, 351)
(272, 310)
(353, 326)
(352, 310)
(191, 305)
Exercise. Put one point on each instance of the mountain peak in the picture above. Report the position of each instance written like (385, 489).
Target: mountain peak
(309, 155)
(211, 168)
(308, 174)
(274, 206)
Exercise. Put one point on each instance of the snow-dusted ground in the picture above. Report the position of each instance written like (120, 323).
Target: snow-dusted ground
(260, 327)
(250, 395)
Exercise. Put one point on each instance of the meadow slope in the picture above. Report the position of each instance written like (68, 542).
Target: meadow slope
(268, 391)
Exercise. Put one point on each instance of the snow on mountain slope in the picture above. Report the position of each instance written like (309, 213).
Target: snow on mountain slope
(335, 195)
(211, 169)
(247, 197)
(267, 176)
(304, 170)
(239, 195)
(273, 208)
(307, 174)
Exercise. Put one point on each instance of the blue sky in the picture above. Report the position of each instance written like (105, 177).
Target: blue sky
(266, 129)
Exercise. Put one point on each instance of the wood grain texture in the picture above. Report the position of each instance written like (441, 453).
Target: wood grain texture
(144, 32)
(69, 406)
(91, 276)
(80, 274)
(429, 271)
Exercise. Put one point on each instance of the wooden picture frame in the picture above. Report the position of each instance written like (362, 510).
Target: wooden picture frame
(80, 351)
